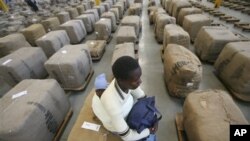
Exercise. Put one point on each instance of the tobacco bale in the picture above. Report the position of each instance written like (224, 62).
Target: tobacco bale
(211, 40)
(233, 66)
(182, 70)
(208, 114)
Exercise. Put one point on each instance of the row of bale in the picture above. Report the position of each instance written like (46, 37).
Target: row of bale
(44, 59)
(229, 19)
(217, 45)
(127, 37)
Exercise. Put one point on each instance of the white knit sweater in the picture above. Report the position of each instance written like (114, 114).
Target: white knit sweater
(113, 108)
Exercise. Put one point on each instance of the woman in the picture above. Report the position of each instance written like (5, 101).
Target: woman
(115, 103)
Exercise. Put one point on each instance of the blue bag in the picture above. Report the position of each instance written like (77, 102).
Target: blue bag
(143, 114)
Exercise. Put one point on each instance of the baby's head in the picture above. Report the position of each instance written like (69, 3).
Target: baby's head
(100, 84)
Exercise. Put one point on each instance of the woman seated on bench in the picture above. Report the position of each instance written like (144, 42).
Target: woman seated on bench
(114, 104)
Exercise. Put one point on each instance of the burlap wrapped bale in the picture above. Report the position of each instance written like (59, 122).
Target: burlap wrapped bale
(100, 9)
(125, 49)
(152, 8)
(63, 17)
(75, 30)
(178, 5)
(193, 23)
(51, 23)
(208, 114)
(170, 8)
(167, 5)
(174, 34)
(88, 21)
(111, 16)
(53, 41)
(138, 1)
(106, 6)
(80, 9)
(40, 111)
(103, 29)
(4, 87)
(211, 40)
(96, 48)
(161, 21)
(132, 21)
(110, 2)
(11, 43)
(151, 3)
(73, 13)
(187, 11)
(93, 11)
(126, 34)
(157, 12)
(70, 66)
(87, 115)
(116, 12)
(120, 8)
(182, 70)
(135, 9)
(124, 3)
(233, 68)
(25, 63)
(86, 5)
(33, 32)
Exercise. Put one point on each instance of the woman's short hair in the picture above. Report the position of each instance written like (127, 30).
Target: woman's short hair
(123, 66)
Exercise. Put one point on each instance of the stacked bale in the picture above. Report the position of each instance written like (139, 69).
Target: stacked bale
(111, 16)
(96, 48)
(161, 21)
(39, 106)
(53, 41)
(24, 63)
(63, 17)
(182, 70)
(73, 13)
(125, 49)
(88, 21)
(93, 11)
(51, 23)
(71, 66)
(75, 30)
(211, 40)
(132, 21)
(233, 68)
(135, 9)
(126, 34)
(80, 9)
(116, 12)
(207, 109)
(100, 9)
(187, 11)
(178, 5)
(33, 32)
(174, 34)
(120, 8)
(193, 23)
(11, 43)
(103, 29)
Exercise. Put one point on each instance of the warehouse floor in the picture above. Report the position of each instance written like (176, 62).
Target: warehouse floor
(153, 82)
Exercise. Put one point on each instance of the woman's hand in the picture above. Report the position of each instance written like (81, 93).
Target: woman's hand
(154, 128)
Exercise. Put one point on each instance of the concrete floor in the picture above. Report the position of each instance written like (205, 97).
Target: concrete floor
(153, 82)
